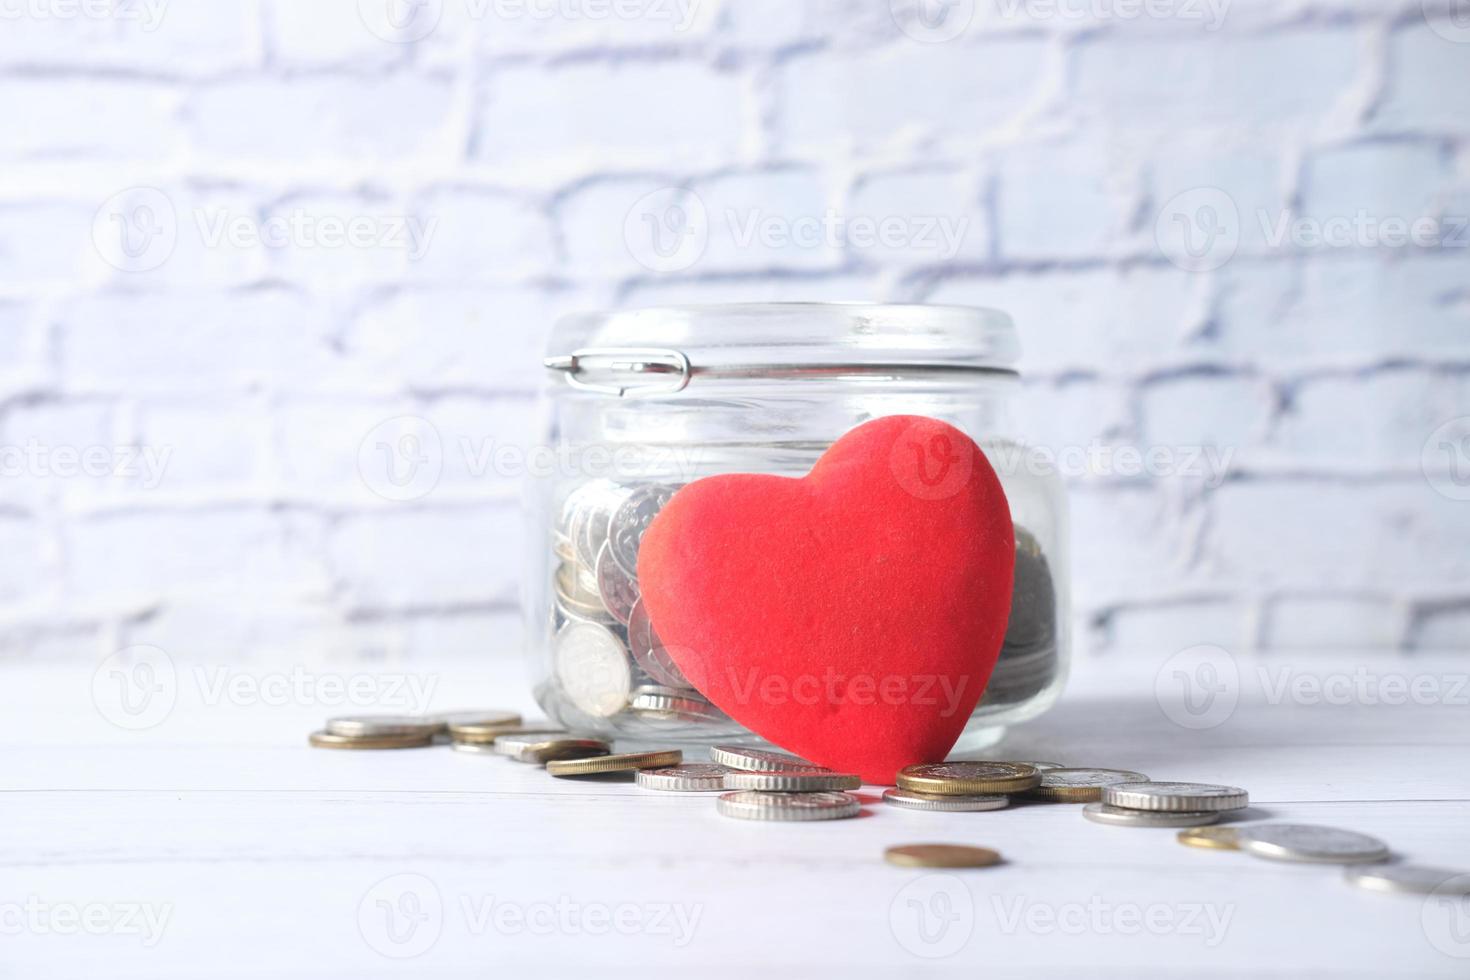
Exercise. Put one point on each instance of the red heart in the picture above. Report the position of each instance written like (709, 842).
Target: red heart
(851, 616)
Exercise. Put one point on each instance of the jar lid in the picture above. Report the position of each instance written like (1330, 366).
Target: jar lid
(662, 350)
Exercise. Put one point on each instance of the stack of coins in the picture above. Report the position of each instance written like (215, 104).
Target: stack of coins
(607, 661)
(961, 786)
(1159, 804)
(776, 786)
(377, 732)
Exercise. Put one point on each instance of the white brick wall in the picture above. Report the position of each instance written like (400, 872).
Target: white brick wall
(480, 166)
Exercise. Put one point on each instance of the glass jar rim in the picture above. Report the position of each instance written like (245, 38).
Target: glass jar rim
(659, 350)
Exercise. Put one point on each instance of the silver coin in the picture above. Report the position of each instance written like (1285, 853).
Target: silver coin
(1311, 843)
(592, 667)
(754, 805)
(631, 519)
(790, 780)
(1038, 766)
(364, 726)
(594, 514)
(475, 748)
(511, 744)
(662, 704)
(648, 650)
(1410, 879)
(617, 590)
(737, 757)
(1078, 785)
(691, 777)
(551, 748)
(1117, 816)
(1153, 795)
(952, 804)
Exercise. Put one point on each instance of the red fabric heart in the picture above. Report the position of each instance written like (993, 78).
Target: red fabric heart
(851, 616)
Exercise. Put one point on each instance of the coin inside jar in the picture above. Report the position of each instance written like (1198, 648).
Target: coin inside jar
(592, 667)
(941, 856)
(968, 778)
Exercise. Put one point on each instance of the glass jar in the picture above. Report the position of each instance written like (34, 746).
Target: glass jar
(642, 402)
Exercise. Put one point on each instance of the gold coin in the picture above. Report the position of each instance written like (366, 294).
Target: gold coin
(626, 762)
(968, 778)
(1213, 838)
(326, 740)
(482, 727)
(941, 856)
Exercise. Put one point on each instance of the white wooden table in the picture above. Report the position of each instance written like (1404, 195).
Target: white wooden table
(217, 844)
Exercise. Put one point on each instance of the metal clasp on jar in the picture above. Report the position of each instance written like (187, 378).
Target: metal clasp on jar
(669, 367)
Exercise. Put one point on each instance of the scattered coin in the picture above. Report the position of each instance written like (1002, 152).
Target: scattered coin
(481, 726)
(624, 762)
(1117, 816)
(941, 856)
(791, 780)
(1174, 796)
(359, 726)
(688, 778)
(1080, 785)
(329, 740)
(1310, 843)
(1410, 879)
(474, 748)
(1210, 838)
(592, 668)
(548, 748)
(755, 805)
(952, 803)
(737, 757)
(968, 778)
